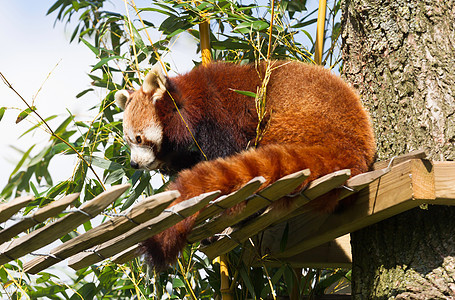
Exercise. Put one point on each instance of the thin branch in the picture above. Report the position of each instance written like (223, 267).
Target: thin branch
(53, 134)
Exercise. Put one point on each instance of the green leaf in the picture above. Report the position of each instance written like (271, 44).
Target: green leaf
(23, 114)
(284, 238)
(103, 62)
(45, 292)
(248, 26)
(114, 176)
(38, 157)
(2, 112)
(86, 292)
(93, 48)
(62, 127)
(247, 281)
(55, 6)
(38, 125)
(246, 93)
(21, 162)
(103, 163)
(84, 92)
(145, 181)
(178, 283)
(33, 187)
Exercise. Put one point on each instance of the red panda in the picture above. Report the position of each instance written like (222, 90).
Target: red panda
(314, 120)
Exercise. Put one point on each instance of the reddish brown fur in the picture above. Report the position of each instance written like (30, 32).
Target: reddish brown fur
(317, 122)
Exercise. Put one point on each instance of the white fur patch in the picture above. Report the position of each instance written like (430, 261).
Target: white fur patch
(144, 157)
(154, 134)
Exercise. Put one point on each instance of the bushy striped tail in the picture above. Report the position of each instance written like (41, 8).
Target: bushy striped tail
(229, 174)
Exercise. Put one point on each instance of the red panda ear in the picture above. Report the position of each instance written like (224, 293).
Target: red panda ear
(121, 97)
(155, 80)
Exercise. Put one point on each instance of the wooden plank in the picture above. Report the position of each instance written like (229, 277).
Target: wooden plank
(408, 185)
(215, 207)
(126, 255)
(224, 202)
(143, 231)
(39, 216)
(444, 180)
(333, 254)
(417, 154)
(317, 188)
(51, 232)
(260, 200)
(8, 209)
(141, 212)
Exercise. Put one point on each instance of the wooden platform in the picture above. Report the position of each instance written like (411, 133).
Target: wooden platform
(298, 235)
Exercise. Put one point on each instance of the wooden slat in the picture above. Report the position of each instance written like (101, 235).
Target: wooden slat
(417, 154)
(143, 211)
(126, 255)
(408, 185)
(142, 232)
(214, 208)
(317, 188)
(273, 192)
(227, 201)
(39, 216)
(51, 232)
(8, 209)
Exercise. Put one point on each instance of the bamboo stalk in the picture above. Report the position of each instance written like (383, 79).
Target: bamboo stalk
(319, 45)
(226, 293)
(204, 36)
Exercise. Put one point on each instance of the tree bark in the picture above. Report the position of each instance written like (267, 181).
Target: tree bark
(400, 55)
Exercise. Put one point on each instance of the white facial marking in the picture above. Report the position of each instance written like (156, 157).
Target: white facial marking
(143, 154)
(154, 134)
(144, 157)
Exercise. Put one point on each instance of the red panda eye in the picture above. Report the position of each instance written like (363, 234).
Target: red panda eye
(138, 139)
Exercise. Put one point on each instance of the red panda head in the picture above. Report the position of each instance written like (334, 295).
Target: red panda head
(142, 127)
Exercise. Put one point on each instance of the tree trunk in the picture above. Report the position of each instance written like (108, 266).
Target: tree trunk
(400, 55)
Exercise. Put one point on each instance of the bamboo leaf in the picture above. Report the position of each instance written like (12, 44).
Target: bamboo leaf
(245, 93)
(93, 48)
(22, 160)
(23, 114)
(101, 63)
(2, 112)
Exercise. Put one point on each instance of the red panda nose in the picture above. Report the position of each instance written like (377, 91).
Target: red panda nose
(134, 164)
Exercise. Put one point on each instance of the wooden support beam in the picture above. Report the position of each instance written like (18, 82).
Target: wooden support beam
(333, 254)
(143, 211)
(406, 186)
(51, 232)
